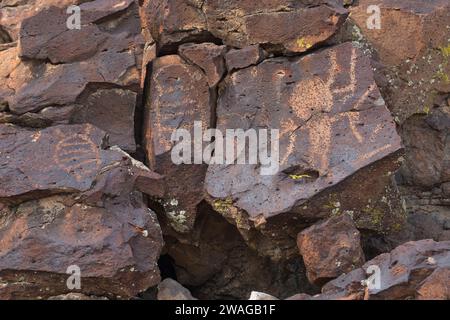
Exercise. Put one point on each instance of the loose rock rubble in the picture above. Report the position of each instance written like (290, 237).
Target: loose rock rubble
(88, 181)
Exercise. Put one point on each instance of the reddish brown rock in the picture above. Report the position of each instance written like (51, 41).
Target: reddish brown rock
(64, 68)
(402, 271)
(333, 122)
(59, 159)
(85, 211)
(116, 247)
(330, 249)
(209, 57)
(243, 23)
(411, 50)
(179, 96)
(427, 145)
(274, 23)
(112, 111)
(436, 286)
(172, 22)
(243, 58)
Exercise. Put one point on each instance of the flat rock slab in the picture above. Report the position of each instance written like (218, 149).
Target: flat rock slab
(402, 271)
(332, 121)
(179, 96)
(67, 199)
(243, 23)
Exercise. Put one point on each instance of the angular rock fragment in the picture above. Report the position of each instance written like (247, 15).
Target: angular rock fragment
(111, 110)
(169, 289)
(330, 249)
(436, 286)
(68, 201)
(209, 57)
(243, 58)
(402, 271)
(61, 67)
(284, 24)
(179, 96)
(261, 296)
(332, 124)
(411, 45)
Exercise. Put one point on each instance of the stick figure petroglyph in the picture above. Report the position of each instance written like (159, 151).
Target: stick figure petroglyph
(316, 100)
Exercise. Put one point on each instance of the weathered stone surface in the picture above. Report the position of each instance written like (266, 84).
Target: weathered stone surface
(412, 49)
(261, 296)
(62, 67)
(216, 263)
(171, 22)
(179, 96)
(436, 286)
(243, 58)
(111, 110)
(333, 123)
(169, 289)
(42, 238)
(427, 143)
(330, 249)
(76, 296)
(59, 159)
(67, 200)
(243, 23)
(209, 57)
(402, 271)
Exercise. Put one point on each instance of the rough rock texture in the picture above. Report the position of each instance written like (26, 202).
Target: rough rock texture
(55, 67)
(68, 200)
(243, 23)
(330, 249)
(87, 118)
(169, 289)
(215, 263)
(436, 286)
(179, 96)
(332, 124)
(402, 271)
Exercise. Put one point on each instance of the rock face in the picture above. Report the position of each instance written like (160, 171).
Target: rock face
(105, 148)
(169, 289)
(70, 68)
(330, 249)
(179, 97)
(67, 201)
(243, 23)
(333, 123)
(410, 267)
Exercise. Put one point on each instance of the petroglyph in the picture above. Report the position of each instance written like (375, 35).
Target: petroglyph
(78, 155)
(180, 96)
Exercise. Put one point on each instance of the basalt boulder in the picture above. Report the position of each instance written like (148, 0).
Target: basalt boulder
(179, 97)
(66, 70)
(67, 199)
(282, 25)
(406, 272)
(338, 148)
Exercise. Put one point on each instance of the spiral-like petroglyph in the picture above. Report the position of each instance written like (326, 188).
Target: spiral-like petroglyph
(78, 156)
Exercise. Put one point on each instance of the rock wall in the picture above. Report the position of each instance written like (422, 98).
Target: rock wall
(88, 180)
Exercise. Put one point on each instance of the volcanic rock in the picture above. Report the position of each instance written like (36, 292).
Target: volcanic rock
(402, 271)
(333, 123)
(179, 96)
(67, 200)
(243, 58)
(169, 289)
(209, 57)
(330, 249)
(244, 23)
